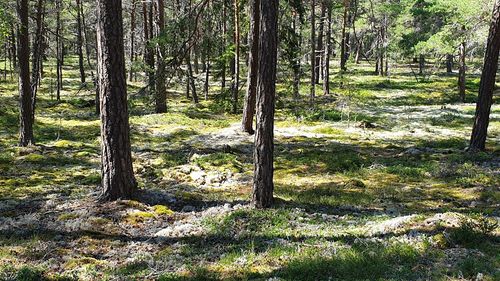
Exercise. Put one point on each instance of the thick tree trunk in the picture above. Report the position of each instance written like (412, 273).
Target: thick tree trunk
(262, 195)
(319, 44)
(79, 41)
(253, 63)
(487, 85)
(461, 72)
(118, 179)
(326, 54)
(159, 79)
(313, 50)
(236, 77)
(25, 96)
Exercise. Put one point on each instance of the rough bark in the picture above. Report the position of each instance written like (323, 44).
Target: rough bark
(262, 195)
(487, 85)
(253, 62)
(23, 54)
(118, 179)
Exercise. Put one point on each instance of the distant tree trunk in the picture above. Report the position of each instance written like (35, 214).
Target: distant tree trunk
(421, 64)
(132, 40)
(159, 79)
(253, 62)
(58, 51)
(319, 45)
(344, 41)
(37, 54)
(118, 179)
(79, 41)
(313, 50)
(449, 63)
(236, 76)
(149, 55)
(262, 195)
(191, 80)
(23, 53)
(326, 53)
(224, 45)
(13, 47)
(359, 49)
(461, 72)
(487, 85)
(207, 51)
(296, 65)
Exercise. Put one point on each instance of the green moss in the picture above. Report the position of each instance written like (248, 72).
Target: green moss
(162, 210)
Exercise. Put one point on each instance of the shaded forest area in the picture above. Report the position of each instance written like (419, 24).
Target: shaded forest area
(249, 140)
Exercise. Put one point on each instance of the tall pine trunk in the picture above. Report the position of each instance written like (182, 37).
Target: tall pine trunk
(58, 51)
(118, 179)
(461, 72)
(79, 40)
(236, 74)
(159, 79)
(262, 195)
(132, 40)
(313, 51)
(25, 95)
(37, 55)
(320, 44)
(253, 63)
(326, 53)
(344, 41)
(487, 85)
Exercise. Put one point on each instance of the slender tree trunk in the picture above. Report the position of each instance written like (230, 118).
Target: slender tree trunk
(224, 45)
(421, 64)
(13, 45)
(191, 80)
(461, 72)
(296, 65)
(25, 95)
(132, 40)
(236, 76)
(262, 195)
(118, 179)
(487, 85)
(37, 55)
(58, 50)
(79, 40)
(207, 53)
(313, 50)
(344, 42)
(319, 45)
(326, 53)
(253, 63)
(359, 49)
(159, 79)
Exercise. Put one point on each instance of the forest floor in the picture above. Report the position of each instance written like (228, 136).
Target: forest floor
(371, 183)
